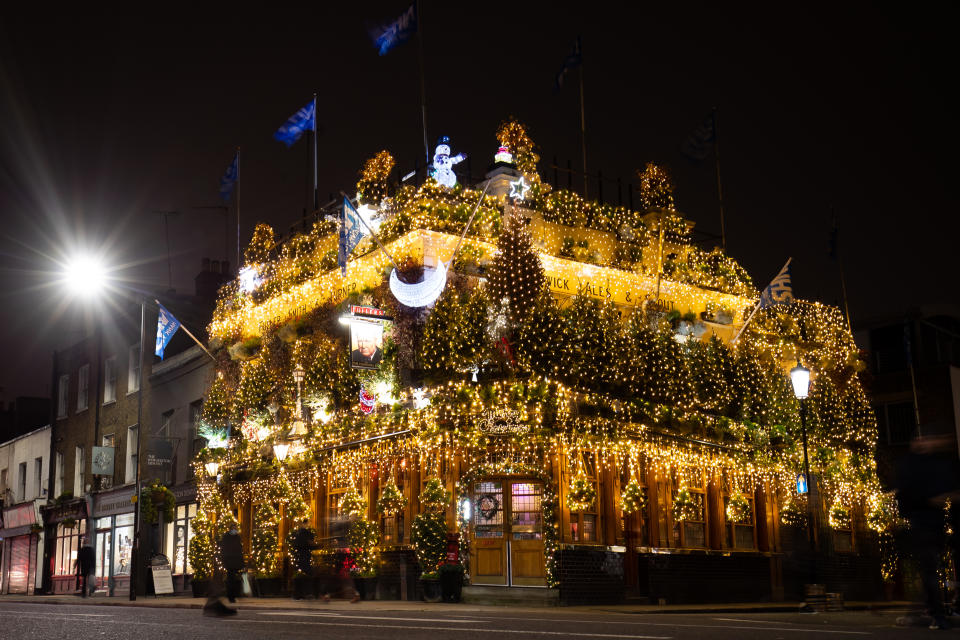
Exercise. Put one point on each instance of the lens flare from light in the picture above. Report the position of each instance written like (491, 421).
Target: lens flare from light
(85, 276)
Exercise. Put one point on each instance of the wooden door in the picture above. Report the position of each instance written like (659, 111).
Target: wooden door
(527, 565)
(507, 530)
(489, 561)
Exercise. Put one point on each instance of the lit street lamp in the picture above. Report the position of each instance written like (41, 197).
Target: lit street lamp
(212, 468)
(800, 379)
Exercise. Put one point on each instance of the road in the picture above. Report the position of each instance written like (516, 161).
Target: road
(52, 621)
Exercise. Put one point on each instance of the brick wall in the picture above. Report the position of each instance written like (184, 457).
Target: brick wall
(590, 576)
(393, 566)
(705, 577)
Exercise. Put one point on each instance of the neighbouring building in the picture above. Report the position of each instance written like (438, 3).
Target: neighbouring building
(539, 391)
(24, 463)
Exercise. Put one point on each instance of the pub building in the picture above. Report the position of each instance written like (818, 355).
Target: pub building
(606, 407)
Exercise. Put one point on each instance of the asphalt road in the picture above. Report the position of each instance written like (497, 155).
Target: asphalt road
(20, 621)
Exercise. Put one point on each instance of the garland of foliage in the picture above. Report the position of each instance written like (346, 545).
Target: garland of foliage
(633, 498)
(150, 496)
(391, 500)
(434, 497)
(352, 503)
(581, 493)
(839, 517)
(684, 508)
(738, 508)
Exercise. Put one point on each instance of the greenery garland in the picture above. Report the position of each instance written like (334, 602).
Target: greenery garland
(793, 513)
(434, 497)
(581, 493)
(633, 498)
(738, 508)
(155, 493)
(352, 503)
(684, 508)
(391, 501)
(839, 517)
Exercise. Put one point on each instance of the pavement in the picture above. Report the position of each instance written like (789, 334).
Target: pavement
(288, 604)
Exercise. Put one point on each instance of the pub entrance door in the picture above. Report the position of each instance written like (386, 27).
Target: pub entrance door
(506, 527)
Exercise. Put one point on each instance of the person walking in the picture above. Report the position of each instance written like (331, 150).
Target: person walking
(86, 564)
(302, 545)
(231, 556)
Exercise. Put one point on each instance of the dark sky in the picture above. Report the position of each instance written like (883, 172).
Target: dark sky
(106, 120)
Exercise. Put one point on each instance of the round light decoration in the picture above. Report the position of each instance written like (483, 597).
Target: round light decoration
(423, 293)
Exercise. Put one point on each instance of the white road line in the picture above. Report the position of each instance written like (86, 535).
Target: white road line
(340, 615)
(750, 621)
(529, 632)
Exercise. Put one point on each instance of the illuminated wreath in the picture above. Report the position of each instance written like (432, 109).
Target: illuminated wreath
(488, 506)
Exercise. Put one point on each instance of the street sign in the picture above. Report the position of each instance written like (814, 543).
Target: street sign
(801, 484)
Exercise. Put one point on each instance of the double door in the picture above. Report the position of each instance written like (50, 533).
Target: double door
(506, 526)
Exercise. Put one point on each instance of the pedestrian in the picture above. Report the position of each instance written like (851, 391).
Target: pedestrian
(86, 564)
(231, 556)
(926, 477)
(231, 559)
(302, 545)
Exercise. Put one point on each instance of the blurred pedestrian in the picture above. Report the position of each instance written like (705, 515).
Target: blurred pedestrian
(302, 545)
(927, 476)
(231, 556)
(86, 566)
(215, 589)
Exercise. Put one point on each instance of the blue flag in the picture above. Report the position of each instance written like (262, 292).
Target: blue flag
(229, 179)
(388, 36)
(572, 61)
(780, 289)
(699, 143)
(351, 232)
(167, 325)
(303, 120)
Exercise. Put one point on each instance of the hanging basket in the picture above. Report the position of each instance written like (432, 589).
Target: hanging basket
(632, 499)
(580, 494)
(392, 501)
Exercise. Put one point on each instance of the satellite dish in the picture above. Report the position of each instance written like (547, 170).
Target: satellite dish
(423, 293)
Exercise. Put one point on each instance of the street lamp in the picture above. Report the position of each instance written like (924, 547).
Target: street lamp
(280, 450)
(800, 379)
(85, 276)
(298, 429)
(212, 468)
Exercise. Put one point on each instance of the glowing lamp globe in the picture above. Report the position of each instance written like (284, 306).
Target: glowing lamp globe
(85, 276)
(800, 378)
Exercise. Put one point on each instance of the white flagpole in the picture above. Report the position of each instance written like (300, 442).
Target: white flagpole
(757, 308)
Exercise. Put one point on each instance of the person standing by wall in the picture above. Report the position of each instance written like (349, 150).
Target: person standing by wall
(86, 564)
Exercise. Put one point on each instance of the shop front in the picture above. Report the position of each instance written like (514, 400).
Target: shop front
(113, 540)
(22, 538)
(178, 534)
(68, 522)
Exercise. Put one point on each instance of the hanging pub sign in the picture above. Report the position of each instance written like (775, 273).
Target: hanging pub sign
(366, 336)
(502, 421)
(159, 452)
(102, 461)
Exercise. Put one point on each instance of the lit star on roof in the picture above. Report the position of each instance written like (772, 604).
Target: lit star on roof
(518, 189)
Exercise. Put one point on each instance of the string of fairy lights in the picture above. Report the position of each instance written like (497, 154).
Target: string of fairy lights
(603, 331)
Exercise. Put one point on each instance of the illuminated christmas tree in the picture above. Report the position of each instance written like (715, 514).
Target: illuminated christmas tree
(264, 545)
(372, 186)
(516, 273)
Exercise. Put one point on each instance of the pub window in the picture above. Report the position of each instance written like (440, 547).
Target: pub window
(69, 541)
(584, 525)
(178, 537)
(689, 510)
(640, 535)
(336, 522)
(391, 527)
(740, 518)
(841, 527)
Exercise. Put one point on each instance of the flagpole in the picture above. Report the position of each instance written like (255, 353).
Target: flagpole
(372, 234)
(836, 254)
(583, 123)
(187, 331)
(238, 211)
(716, 154)
(316, 201)
(423, 90)
(757, 307)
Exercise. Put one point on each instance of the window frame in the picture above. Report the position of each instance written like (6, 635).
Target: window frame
(63, 396)
(576, 529)
(110, 380)
(83, 388)
(133, 369)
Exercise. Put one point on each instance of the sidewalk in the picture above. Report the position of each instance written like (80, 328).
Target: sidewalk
(288, 604)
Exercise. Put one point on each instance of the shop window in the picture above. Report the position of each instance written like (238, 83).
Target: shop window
(83, 388)
(69, 541)
(584, 525)
(391, 527)
(122, 544)
(178, 537)
(488, 509)
(103, 546)
(688, 510)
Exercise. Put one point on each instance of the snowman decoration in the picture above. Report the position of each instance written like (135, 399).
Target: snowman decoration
(443, 163)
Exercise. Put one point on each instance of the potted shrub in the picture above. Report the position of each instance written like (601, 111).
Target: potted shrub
(451, 581)
(429, 537)
(201, 553)
(363, 537)
(263, 550)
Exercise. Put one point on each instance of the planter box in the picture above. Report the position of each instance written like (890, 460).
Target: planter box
(366, 587)
(432, 591)
(268, 586)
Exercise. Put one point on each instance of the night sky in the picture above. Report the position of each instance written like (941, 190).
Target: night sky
(106, 121)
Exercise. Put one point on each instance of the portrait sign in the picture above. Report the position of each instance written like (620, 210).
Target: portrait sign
(366, 344)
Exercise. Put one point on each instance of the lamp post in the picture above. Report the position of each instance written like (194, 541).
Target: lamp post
(298, 429)
(800, 379)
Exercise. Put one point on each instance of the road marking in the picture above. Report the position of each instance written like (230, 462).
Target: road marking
(332, 623)
(340, 615)
(751, 621)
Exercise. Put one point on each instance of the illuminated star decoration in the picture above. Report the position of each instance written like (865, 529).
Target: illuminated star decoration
(518, 189)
